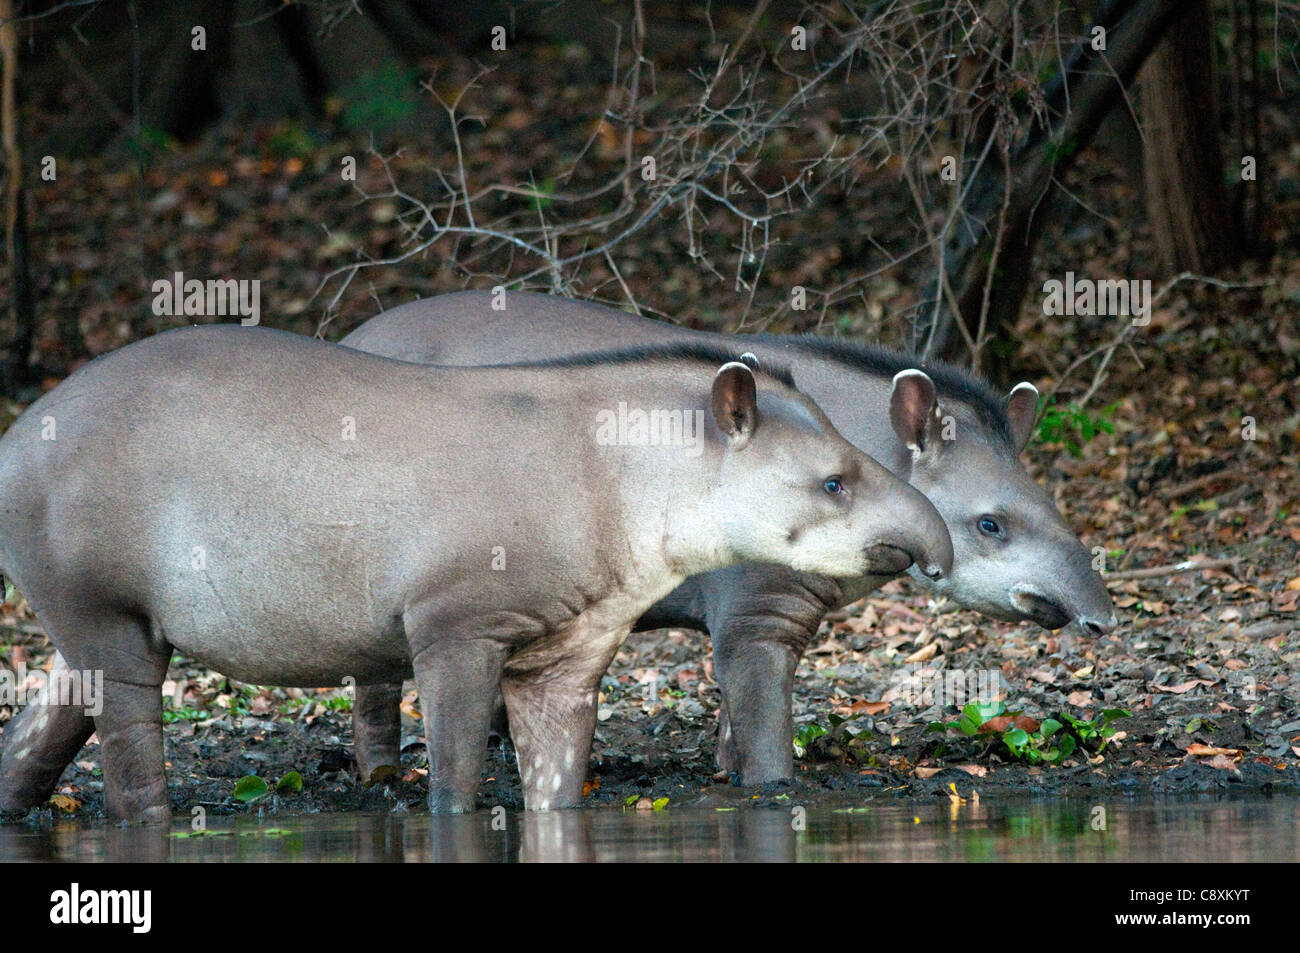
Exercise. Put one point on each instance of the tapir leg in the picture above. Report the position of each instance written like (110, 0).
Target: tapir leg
(377, 728)
(40, 741)
(552, 711)
(131, 738)
(131, 659)
(457, 680)
(761, 620)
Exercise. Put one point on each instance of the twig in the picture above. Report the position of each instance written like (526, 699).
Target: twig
(1174, 569)
(1199, 483)
(1265, 629)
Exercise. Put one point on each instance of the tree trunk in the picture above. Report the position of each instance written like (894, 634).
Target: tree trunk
(1096, 81)
(14, 370)
(1186, 198)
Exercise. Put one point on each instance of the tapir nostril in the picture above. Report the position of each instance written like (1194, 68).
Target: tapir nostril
(1099, 626)
(934, 571)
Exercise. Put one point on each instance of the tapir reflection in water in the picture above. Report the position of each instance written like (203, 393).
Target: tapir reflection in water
(945, 432)
(293, 512)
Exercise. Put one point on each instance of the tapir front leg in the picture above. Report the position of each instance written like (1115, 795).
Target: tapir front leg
(552, 709)
(761, 619)
(457, 677)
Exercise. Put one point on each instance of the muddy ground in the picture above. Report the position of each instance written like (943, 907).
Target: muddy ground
(1204, 660)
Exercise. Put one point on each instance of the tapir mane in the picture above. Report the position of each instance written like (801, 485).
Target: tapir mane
(712, 355)
(950, 381)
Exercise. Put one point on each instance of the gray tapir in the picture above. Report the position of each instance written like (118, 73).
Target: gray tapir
(293, 512)
(945, 431)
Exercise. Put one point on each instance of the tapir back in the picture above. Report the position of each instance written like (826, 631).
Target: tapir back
(195, 465)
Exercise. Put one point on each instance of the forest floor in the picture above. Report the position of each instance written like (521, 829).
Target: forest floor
(1203, 664)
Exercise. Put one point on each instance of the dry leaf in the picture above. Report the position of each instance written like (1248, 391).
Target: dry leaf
(67, 805)
(1200, 751)
(924, 653)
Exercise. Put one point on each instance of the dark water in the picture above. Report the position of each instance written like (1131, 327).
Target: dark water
(1047, 830)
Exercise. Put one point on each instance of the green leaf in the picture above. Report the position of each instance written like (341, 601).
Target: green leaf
(1017, 739)
(250, 788)
(660, 803)
(291, 783)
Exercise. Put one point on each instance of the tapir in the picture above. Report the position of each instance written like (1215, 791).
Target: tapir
(293, 512)
(941, 428)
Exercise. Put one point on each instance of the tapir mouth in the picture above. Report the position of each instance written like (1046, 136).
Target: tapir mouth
(883, 559)
(1040, 609)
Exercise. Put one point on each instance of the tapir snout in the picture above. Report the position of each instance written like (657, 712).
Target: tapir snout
(913, 532)
(1075, 594)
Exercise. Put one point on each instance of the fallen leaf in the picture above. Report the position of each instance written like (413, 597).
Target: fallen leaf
(1178, 689)
(1200, 751)
(1027, 724)
(924, 653)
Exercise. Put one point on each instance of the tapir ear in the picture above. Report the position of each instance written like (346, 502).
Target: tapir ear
(1022, 411)
(912, 408)
(735, 402)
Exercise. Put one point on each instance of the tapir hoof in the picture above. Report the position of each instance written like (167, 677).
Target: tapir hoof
(153, 816)
(450, 802)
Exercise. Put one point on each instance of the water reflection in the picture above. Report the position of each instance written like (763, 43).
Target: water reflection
(1058, 830)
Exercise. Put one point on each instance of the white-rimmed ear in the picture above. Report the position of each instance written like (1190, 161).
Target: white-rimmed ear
(735, 403)
(913, 410)
(750, 358)
(1022, 412)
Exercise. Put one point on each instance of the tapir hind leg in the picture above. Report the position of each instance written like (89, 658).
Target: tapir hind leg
(40, 742)
(131, 659)
(552, 709)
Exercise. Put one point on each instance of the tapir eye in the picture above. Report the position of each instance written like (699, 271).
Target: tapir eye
(834, 485)
(989, 526)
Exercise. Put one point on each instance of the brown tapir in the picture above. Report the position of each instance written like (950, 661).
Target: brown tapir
(293, 512)
(942, 429)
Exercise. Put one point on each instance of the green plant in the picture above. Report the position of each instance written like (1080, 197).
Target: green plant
(1073, 426)
(250, 788)
(1048, 742)
(291, 140)
(183, 713)
(379, 99)
(838, 739)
